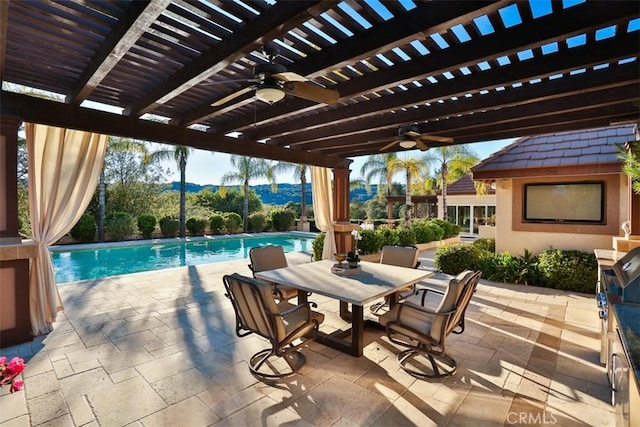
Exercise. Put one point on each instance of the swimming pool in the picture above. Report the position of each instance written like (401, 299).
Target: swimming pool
(82, 262)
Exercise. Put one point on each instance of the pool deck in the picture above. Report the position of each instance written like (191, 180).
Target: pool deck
(159, 349)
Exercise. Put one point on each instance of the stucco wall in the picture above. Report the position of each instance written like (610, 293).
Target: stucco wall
(514, 236)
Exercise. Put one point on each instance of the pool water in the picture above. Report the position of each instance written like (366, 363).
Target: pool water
(109, 260)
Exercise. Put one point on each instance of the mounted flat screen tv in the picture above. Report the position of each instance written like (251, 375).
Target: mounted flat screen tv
(565, 202)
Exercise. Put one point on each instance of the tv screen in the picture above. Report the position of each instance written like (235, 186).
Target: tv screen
(566, 202)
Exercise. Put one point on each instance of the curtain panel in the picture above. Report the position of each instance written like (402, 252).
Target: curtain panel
(323, 208)
(64, 167)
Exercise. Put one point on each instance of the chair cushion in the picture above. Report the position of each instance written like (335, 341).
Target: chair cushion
(415, 320)
(298, 317)
(449, 300)
(401, 256)
(267, 258)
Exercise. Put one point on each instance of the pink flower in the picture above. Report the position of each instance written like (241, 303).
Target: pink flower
(16, 386)
(9, 372)
(15, 366)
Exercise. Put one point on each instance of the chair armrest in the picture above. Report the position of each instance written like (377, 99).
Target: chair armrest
(296, 308)
(411, 306)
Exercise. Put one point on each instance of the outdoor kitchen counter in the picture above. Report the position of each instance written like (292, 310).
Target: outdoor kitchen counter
(628, 317)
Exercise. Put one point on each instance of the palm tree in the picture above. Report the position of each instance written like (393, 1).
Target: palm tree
(247, 168)
(411, 167)
(114, 144)
(300, 172)
(452, 162)
(180, 154)
(377, 166)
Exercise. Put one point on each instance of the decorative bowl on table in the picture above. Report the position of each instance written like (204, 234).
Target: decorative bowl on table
(339, 257)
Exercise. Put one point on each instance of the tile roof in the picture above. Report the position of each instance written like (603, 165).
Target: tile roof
(577, 148)
(463, 185)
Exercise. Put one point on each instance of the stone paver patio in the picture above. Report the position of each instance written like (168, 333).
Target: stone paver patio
(159, 349)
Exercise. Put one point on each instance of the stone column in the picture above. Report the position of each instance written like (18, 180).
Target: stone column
(15, 326)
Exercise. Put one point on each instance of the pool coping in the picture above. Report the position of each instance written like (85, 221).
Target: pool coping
(170, 240)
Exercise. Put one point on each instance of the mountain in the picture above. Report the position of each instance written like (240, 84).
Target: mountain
(286, 192)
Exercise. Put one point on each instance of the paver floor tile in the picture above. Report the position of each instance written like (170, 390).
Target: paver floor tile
(125, 402)
(189, 412)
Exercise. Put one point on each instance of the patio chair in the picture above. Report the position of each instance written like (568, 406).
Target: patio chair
(401, 256)
(424, 331)
(257, 312)
(428, 294)
(269, 258)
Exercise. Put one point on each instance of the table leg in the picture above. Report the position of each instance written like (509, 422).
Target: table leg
(345, 314)
(350, 341)
(357, 330)
(302, 297)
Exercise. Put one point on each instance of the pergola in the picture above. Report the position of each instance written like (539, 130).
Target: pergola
(185, 73)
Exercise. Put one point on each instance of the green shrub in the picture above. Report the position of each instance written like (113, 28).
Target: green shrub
(85, 228)
(485, 244)
(454, 259)
(438, 232)
(450, 229)
(146, 225)
(257, 222)
(568, 270)
(371, 241)
(216, 223)
(282, 219)
(118, 225)
(232, 221)
(196, 226)
(389, 236)
(406, 236)
(269, 224)
(317, 246)
(169, 226)
(423, 232)
(507, 268)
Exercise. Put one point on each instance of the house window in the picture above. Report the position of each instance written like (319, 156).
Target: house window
(564, 202)
(452, 214)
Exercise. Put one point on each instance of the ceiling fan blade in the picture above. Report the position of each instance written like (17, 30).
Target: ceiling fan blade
(312, 92)
(421, 145)
(389, 145)
(288, 76)
(234, 95)
(443, 139)
(412, 134)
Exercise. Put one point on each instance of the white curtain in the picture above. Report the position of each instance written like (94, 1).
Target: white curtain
(64, 167)
(323, 208)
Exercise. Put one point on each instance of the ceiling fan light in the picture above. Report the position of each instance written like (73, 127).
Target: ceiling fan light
(269, 94)
(409, 143)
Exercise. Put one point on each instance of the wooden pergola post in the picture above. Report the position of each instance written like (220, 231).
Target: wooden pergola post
(15, 326)
(342, 227)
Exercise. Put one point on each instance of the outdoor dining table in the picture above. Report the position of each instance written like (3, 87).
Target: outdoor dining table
(372, 282)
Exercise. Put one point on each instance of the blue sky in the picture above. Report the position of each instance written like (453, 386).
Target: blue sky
(205, 167)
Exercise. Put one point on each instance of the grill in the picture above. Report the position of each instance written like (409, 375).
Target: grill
(618, 299)
(622, 280)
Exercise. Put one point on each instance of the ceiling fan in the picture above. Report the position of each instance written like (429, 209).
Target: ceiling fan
(273, 82)
(409, 137)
